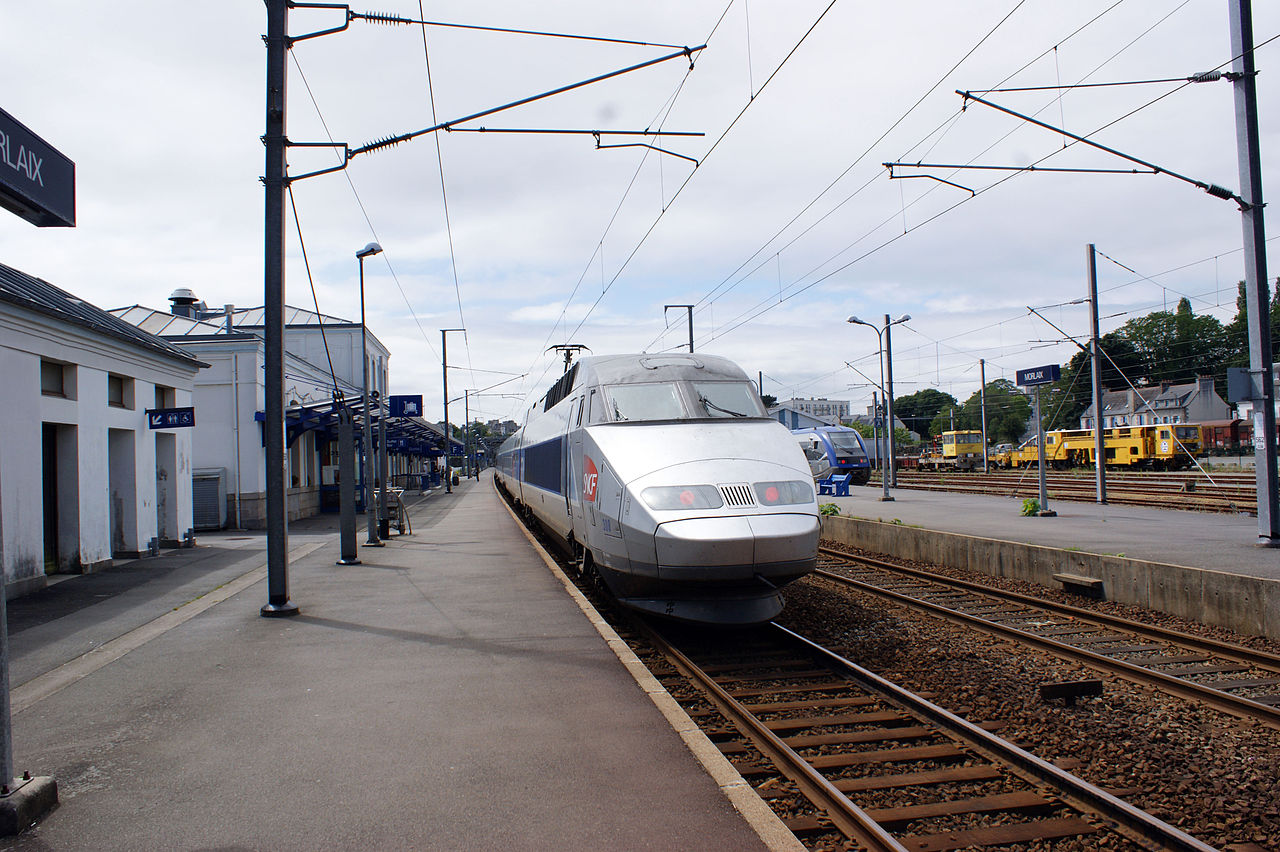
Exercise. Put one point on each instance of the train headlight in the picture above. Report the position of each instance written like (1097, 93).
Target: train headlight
(783, 493)
(675, 497)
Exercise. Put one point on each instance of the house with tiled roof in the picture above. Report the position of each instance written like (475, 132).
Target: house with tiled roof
(1192, 402)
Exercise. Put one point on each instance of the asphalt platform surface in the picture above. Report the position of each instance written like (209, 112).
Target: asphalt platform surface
(1211, 541)
(445, 694)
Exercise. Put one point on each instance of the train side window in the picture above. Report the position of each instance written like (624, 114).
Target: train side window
(593, 408)
(580, 407)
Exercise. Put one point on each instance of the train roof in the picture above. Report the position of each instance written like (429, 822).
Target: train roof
(666, 367)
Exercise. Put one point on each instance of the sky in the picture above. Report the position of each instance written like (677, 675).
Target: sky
(777, 223)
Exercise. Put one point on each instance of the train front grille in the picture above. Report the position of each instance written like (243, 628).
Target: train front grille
(737, 495)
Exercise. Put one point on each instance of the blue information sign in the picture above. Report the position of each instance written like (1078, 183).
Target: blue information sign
(170, 418)
(406, 406)
(1040, 375)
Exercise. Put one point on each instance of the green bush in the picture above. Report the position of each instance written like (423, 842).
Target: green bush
(1030, 507)
(829, 509)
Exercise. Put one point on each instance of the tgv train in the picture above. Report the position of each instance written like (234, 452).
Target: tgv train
(664, 476)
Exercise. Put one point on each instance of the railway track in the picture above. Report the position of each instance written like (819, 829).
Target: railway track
(1231, 678)
(1227, 492)
(884, 767)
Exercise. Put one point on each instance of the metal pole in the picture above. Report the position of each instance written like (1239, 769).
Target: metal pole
(688, 308)
(6, 719)
(444, 366)
(888, 401)
(466, 431)
(444, 369)
(1255, 272)
(278, 603)
(1045, 511)
(982, 402)
(347, 487)
(1095, 357)
(367, 462)
(384, 471)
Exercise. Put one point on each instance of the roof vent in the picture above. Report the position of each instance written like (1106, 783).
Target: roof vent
(183, 302)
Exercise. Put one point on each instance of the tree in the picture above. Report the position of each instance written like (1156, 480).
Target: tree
(1073, 393)
(917, 411)
(769, 400)
(1007, 412)
(1176, 347)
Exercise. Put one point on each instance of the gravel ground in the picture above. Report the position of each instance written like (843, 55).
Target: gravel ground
(1209, 774)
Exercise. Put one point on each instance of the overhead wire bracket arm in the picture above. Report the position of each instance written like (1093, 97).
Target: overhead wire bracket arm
(892, 176)
(291, 40)
(1211, 188)
(405, 137)
(391, 18)
(1033, 168)
(1080, 345)
(600, 147)
(349, 153)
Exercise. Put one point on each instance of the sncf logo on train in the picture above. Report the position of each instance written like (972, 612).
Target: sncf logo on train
(590, 478)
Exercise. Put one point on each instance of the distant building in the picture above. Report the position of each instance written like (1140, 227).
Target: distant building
(86, 473)
(231, 399)
(830, 410)
(795, 419)
(1193, 402)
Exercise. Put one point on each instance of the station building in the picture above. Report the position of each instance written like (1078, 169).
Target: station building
(84, 478)
(230, 398)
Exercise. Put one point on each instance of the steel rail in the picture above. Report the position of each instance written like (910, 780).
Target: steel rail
(1131, 821)
(1215, 698)
(843, 813)
(1239, 653)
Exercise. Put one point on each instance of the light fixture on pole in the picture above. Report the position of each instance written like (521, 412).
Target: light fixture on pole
(886, 391)
(370, 510)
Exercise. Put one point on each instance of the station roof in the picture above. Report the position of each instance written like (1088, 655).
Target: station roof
(36, 294)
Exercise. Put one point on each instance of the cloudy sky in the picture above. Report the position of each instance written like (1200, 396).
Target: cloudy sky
(787, 224)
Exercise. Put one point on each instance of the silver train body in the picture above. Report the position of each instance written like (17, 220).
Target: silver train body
(666, 477)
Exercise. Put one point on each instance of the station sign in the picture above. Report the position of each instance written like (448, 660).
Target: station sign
(170, 418)
(409, 405)
(37, 182)
(1040, 375)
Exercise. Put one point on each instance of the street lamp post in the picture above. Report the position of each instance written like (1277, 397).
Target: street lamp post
(882, 338)
(370, 509)
(444, 362)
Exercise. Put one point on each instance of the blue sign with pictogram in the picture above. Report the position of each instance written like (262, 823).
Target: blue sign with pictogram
(170, 418)
(1040, 375)
(406, 405)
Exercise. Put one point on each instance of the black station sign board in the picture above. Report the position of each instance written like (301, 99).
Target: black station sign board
(170, 418)
(408, 405)
(36, 181)
(1040, 375)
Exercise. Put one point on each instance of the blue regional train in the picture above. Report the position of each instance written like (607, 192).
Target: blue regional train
(835, 450)
(664, 477)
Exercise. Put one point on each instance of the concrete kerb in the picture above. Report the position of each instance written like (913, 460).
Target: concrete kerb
(1248, 605)
(757, 813)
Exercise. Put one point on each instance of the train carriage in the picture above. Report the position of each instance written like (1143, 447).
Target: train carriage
(666, 479)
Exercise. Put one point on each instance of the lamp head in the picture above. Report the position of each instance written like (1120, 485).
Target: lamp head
(903, 318)
(372, 248)
(856, 321)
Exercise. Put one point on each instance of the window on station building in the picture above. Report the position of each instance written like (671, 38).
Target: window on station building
(166, 397)
(119, 391)
(53, 378)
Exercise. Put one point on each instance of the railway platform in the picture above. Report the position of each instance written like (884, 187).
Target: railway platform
(444, 694)
(1195, 564)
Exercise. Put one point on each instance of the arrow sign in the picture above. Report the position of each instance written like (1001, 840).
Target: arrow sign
(170, 418)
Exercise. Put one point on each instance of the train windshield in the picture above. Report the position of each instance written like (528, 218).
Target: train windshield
(644, 402)
(846, 441)
(1187, 433)
(727, 399)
